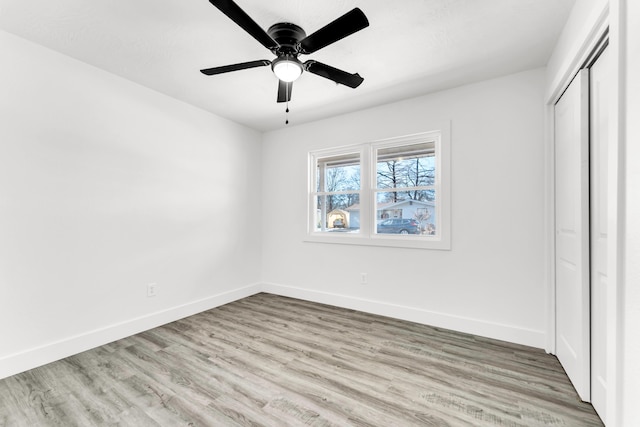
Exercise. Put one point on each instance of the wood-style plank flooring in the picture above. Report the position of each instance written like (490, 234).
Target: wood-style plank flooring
(274, 361)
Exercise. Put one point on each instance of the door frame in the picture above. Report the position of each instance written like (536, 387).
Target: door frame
(604, 25)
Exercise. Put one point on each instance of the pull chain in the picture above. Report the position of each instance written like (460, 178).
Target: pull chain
(286, 122)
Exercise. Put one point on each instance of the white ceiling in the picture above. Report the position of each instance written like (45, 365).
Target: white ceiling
(411, 47)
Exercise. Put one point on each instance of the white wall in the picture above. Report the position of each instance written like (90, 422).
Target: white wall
(106, 186)
(492, 281)
(630, 373)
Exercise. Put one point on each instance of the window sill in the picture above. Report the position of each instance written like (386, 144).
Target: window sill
(433, 243)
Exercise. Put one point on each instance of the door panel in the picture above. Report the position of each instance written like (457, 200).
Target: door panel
(572, 233)
(599, 122)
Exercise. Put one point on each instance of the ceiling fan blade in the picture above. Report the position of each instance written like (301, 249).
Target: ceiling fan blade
(284, 91)
(235, 67)
(240, 17)
(338, 76)
(347, 24)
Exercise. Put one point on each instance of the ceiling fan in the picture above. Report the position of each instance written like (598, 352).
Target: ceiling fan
(288, 41)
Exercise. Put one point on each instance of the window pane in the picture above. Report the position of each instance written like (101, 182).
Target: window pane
(406, 166)
(338, 213)
(338, 173)
(406, 212)
(406, 195)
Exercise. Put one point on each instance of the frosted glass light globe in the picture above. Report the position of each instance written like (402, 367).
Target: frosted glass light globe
(287, 70)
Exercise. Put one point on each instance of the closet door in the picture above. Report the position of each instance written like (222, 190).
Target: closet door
(572, 233)
(599, 119)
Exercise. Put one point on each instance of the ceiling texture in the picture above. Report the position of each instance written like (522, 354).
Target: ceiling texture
(411, 48)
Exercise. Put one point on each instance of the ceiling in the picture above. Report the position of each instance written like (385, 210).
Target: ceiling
(412, 47)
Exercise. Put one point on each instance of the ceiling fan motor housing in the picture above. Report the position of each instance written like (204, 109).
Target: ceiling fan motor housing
(288, 37)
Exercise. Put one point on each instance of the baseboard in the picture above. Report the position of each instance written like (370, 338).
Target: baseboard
(47, 353)
(482, 328)
(34, 357)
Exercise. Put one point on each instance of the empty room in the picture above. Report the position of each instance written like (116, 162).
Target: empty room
(336, 213)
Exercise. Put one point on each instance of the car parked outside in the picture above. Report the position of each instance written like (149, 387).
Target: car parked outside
(399, 226)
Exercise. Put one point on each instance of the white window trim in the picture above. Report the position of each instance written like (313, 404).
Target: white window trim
(354, 149)
(366, 237)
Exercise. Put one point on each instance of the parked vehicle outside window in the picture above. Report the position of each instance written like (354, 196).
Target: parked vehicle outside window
(399, 226)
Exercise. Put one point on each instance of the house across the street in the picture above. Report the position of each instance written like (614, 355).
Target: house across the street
(423, 212)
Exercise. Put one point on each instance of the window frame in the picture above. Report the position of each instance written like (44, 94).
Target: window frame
(367, 234)
(313, 193)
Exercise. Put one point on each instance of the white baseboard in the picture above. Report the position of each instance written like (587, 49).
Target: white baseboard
(50, 352)
(482, 328)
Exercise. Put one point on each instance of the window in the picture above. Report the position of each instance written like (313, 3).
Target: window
(405, 188)
(394, 192)
(337, 190)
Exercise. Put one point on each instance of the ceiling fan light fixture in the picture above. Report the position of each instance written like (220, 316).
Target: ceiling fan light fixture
(287, 68)
(287, 41)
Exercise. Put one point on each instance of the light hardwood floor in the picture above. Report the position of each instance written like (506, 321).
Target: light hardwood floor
(275, 361)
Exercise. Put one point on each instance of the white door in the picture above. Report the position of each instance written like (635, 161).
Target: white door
(599, 118)
(572, 233)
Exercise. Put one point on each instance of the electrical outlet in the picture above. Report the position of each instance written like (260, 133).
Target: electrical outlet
(151, 289)
(363, 278)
